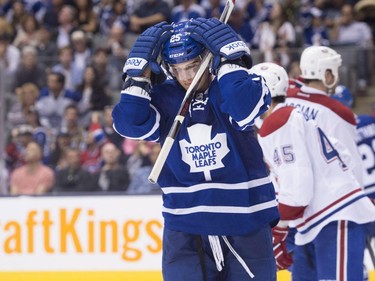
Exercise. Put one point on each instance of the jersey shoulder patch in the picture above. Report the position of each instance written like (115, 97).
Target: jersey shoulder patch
(276, 120)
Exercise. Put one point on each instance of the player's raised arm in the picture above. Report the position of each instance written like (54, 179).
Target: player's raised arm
(133, 117)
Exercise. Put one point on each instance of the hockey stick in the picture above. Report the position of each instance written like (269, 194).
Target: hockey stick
(370, 250)
(184, 108)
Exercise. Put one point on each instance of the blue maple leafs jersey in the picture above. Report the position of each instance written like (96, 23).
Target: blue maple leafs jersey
(366, 146)
(214, 180)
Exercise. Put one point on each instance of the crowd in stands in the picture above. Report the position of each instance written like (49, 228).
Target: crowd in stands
(62, 62)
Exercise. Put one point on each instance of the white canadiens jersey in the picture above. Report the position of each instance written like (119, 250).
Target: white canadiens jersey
(334, 118)
(311, 173)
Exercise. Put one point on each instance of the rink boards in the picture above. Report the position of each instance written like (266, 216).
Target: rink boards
(100, 276)
(82, 238)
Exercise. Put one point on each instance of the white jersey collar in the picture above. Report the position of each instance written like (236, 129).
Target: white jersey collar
(312, 91)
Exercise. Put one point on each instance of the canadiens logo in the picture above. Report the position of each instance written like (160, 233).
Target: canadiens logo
(204, 154)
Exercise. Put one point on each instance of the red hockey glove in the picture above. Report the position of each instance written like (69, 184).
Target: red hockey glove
(283, 259)
(279, 234)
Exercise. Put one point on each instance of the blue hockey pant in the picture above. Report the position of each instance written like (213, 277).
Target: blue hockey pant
(190, 257)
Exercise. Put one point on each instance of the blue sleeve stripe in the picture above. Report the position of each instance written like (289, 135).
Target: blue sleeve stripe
(226, 186)
(222, 209)
(369, 189)
(249, 119)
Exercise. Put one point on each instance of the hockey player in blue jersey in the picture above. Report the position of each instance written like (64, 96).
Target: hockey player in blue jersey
(218, 201)
(365, 139)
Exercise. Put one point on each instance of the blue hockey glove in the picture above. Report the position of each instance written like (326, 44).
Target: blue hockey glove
(221, 40)
(146, 50)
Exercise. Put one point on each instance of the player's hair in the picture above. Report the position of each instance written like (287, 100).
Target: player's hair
(278, 99)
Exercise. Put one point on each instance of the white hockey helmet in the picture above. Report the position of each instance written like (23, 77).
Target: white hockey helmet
(276, 77)
(315, 60)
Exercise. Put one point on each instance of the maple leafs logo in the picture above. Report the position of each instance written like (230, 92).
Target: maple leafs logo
(204, 154)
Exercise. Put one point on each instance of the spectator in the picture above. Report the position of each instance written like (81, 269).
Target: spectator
(9, 54)
(139, 183)
(81, 50)
(115, 12)
(41, 135)
(156, 11)
(108, 75)
(16, 14)
(113, 175)
(241, 25)
(27, 95)
(53, 100)
(51, 17)
(213, 8)
(366, 11)
(72, 73)
(67, 24)
(90, 155)
(86, 17)
(120, 13)
(117, 44)
(71, 125)
(138, 158)
(20, 137)
(109, 132)
(274, 37)
(186, 10)
(258, 11)
(61, 143)
(33, 177)
(94, 96)
(72, 177)
(315, 32)
(27, 34)
(46, 48)
(37, 8)
(29, 70)
(348, 31)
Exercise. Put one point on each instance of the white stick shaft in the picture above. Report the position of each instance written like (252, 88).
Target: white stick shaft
(162, 157)
(168, 143)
